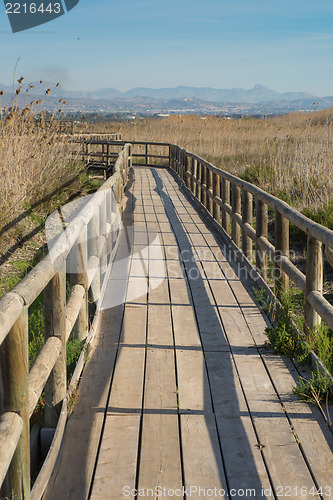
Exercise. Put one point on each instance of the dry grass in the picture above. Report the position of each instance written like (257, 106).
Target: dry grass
(34, 159)
(290, 156)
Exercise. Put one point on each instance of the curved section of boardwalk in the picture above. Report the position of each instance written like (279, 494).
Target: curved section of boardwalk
(179, 398)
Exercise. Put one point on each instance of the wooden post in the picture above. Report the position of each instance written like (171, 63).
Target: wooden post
(225, 199)
(247, 212)
(93, 233)
(146, 154)
(87, 152)
(195, 177)
(108, 159)
(236, 209)
(217, 192)
(261, 230)
(129, 159)
(199, 177)
(182, 165)
(188, 177)
(281, 250)
(314, 281)
(54, 325)
(16, 400)
(177, 161)
(78, 263)
(108, 213)
(204, 185)
(210, 203)
(104, 159)
(102, 230)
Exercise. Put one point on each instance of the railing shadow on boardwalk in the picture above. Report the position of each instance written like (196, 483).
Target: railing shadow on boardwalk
(191, 269)
(84, 457)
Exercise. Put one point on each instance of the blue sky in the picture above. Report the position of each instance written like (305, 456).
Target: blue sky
(284, 45)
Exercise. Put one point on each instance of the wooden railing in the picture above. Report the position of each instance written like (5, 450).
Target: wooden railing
(239, 209)
(90, 235)
(101, 154)
(236, 204)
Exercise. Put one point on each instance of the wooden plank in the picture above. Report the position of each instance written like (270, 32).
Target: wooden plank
(157, 269)
(234, 323)
(281, 452)
(180, 293)
(158, 294)
(169, 239)
(193, 386)
(137, 290)
(256, 320)
(159, 325)
(160, 462)
(212, 270)
(200, 440)
(212, 333)
(116, 463)
(198, 240)
(245, 468)
(116, 468)
(185, 327)
(172, 252)
(175, 269)
(160, 381)
(314, 435)
(126, 390)
(78, 455)
(134, 325)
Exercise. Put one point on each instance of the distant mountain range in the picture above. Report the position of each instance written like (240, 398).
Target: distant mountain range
(255, 95)
(259, 99)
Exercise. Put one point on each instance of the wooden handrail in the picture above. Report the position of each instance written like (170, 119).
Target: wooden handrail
(48, 372)
(234, 203)
(238, 202)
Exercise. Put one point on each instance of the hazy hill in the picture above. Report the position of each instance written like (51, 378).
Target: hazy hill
(257, 94)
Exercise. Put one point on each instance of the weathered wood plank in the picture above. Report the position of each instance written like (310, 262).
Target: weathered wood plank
(160, 463)
(245, 468)
(116, 469)
(282, 454)
(78, 455)
(313, 433)
(193, 387)
(159, 325)
(160, 381)
(200, 440)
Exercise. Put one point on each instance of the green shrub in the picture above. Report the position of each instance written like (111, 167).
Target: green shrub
(315, 389)
(283, 335)
(74, 348)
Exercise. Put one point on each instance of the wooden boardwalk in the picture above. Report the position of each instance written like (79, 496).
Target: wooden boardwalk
(179, 392)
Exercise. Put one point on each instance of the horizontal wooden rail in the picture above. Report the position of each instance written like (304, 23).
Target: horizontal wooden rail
(61, 319)
(101, 154)
(238, 206)
(235, 204)
(11, 426)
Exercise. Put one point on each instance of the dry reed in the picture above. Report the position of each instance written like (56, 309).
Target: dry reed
(290, 156)
(34, 158)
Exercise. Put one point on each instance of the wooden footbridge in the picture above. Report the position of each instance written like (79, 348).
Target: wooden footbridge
(179, 397)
